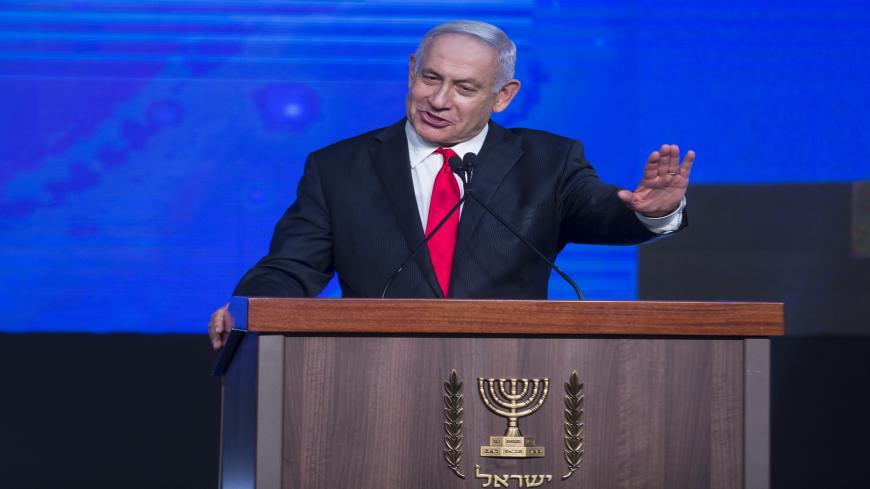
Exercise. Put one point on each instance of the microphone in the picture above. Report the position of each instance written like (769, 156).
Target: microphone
(463, 167)
(465, 170)
(455, 162)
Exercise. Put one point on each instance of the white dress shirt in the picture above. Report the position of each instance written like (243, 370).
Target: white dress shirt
(425, 164)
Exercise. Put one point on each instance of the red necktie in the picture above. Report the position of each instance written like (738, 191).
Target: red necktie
(445, 194)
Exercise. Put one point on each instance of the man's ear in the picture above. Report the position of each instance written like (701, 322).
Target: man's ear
(505, 95)
(411, 71)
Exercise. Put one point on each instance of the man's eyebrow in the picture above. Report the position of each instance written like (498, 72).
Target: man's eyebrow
(470, 81)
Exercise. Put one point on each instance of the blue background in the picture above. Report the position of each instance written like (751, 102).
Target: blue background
(148, 147)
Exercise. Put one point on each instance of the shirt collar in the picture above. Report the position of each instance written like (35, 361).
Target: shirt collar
(419, 150)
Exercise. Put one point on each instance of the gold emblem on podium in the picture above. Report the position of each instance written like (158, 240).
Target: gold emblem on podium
(453, 423)
(513, 399)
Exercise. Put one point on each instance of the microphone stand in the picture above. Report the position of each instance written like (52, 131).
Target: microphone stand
(420, 246)
(470, 193)
(465, 169)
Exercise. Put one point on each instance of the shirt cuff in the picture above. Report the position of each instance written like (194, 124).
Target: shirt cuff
(664, 224)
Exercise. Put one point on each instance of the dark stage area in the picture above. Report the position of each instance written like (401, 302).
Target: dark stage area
(117, 410)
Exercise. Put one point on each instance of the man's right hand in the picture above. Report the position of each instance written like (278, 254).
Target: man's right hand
(219, 327)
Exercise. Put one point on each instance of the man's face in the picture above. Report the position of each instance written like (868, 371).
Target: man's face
(452, 97)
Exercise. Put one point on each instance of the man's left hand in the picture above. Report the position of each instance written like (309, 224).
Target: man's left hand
(663, 185)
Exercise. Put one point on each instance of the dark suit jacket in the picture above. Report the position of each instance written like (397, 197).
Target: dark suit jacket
(356, 215)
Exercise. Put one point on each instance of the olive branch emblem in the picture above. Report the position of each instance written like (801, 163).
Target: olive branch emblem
(453, 423)
(573, 424)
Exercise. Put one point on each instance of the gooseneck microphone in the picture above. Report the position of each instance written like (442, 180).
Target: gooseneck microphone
(465, 170)
(454, 162)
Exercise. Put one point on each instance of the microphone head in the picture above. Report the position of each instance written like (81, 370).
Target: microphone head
(469, 160)
(455, 163)
(468, 165)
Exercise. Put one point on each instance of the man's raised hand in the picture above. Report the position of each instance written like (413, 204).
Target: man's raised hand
(663, 185)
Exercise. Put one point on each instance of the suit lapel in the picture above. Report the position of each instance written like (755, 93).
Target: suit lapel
(392, 165)
(500, 152)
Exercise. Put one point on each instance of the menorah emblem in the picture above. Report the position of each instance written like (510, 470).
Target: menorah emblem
(513, 399)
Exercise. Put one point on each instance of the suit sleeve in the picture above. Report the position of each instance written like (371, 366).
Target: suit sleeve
(591, 212)
(299, 263)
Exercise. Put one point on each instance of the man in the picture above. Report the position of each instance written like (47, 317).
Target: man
(364, 203)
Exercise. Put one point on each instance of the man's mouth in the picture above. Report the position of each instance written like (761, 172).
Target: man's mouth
(433, 120)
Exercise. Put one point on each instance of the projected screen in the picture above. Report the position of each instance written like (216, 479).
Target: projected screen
(148, 147)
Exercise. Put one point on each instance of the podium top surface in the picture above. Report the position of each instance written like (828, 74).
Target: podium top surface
(506, 317)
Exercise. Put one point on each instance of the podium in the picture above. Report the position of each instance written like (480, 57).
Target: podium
(366, 393)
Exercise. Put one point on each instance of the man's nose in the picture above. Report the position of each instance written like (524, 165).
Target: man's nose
(441, 98)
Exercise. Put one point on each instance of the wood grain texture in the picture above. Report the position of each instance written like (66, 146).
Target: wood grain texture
(366, 411)
(726, 412)
(418, 316)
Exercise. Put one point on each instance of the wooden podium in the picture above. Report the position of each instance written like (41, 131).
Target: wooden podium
(357, 393)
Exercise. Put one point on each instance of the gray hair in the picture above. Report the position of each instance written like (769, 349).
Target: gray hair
(487, 33)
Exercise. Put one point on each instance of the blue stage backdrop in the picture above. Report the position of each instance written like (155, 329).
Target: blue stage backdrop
(148, 147)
